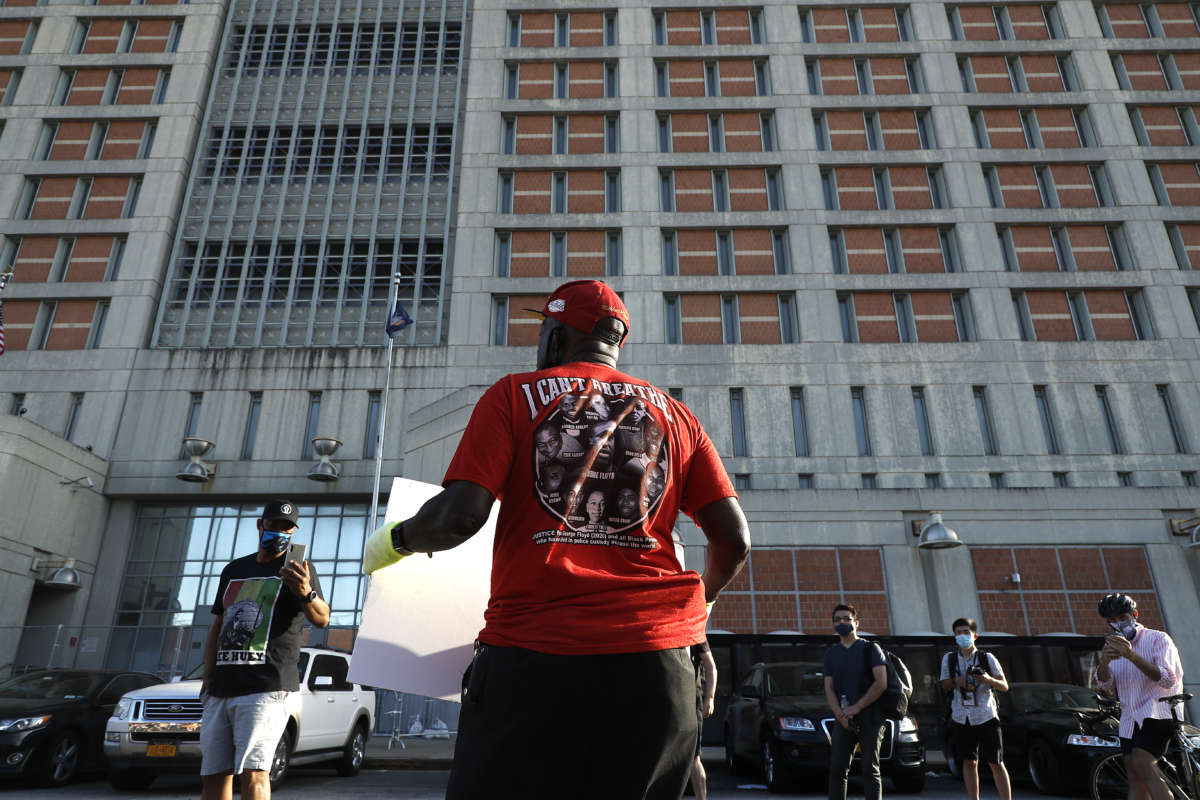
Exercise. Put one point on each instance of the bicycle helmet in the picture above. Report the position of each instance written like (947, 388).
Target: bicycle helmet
(1114, 605)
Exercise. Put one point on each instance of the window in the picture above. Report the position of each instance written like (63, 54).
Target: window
(131, 198)
(160, 86)
(767, 127)
(720, 187)
(903, 24)
(925, 131)
(670, 253)
(18, 404)
(924, 430)
(1101, 185)
(62, 258)
(916, 78)
(730, 329)
(128, 32)
(664, 133)
(716, 136)
(1119, 246)
(1029, 128)
(756, 26)
(371, 433)
(904, 317)
(1016, 74)
(854, 24)
(1083, 127)
(799, 422)
(558, 254)
(514, 30)
(741, 481)
(1125, 479)
(1043, 404)
(812, 69)
(1110, 422)
(806, 26)
(561, 81)
(806, 480)
(511, 83)
(83, 190)
(820, 130)
(80, 35)
(1062, 249)
(610, 29)
(29, 193)
(948, 243)
(1177, 436)
(1139, 316)
(1179, 247)
(192, 423)
(779, 248)
(505, 203)
(983, 411)
(1189, 478)
(310, 428)
(869, 481)
(660, 79)
(992, 181)
(612, 82)
(862, 75)
(1003, 23)
(503, 254)
(113, 268)
(1080, 317)
(500, 321)
(562, 30)
(1060, 480)
(1066, 73)
(612, 134)
(724, 253)
(846, 315)
(251, 431)
(708, 33)
(96, 141)
(862, 428)
(559, 135)
(73, 416)
(673, 322)
(966, 75)
(712, 84)
(676, 392)
(883, 188)
(938, 195)
(612, 192)
(737, 422)
(147, 143)
(1024, 319)
(666, 182)
(871, 128)
(837, 248)
(933, 480)
(893, 251)
(612, 253)
(996, 480)
(558, 196)
(508, 136)
(42, 323)
(1159, 185)
(789, 329)
(762, 79)
(99, 317)
(1045, 186)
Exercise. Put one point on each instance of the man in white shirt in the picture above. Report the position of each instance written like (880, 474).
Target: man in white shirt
(972, 676)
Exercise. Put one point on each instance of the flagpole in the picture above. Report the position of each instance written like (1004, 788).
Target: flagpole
(387, 385)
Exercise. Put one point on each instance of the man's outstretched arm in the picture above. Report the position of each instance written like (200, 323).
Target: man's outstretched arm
(728, 535)
(446, 520)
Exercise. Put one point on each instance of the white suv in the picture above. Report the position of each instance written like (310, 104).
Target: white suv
(157, 729)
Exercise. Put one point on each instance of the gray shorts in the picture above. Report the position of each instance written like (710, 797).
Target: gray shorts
(240, 733)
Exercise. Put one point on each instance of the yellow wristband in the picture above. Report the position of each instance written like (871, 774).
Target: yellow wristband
(378, 551)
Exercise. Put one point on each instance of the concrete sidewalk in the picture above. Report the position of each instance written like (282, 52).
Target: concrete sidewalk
(416, 753)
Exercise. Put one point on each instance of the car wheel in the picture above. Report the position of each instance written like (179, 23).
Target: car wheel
(60, 760)
(130, 780)
(279, 762)
(356, 749)
(773, 771)
(909, 781)
(1043, 767)
(734, 763)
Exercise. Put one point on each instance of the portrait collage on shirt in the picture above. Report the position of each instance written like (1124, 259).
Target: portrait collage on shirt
(600, 464)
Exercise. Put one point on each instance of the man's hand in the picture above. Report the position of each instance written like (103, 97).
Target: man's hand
(1119, 646)
(842, 719)
(961, 681)
(295, 577)
(379, 552)
(709, 706)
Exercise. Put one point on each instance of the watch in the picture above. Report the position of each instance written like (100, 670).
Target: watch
(308, 598)
(398, 540)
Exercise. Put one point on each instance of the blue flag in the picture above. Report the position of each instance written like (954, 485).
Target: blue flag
(398, 320)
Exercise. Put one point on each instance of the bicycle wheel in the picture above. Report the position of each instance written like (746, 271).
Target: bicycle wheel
(1109, 779)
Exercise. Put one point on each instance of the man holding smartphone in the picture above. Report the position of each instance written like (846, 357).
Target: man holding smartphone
(251, 657)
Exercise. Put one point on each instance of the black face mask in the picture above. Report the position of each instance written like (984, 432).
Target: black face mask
(844, 628)
(274, 541)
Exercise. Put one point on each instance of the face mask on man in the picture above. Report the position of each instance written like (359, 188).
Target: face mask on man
(844, 628)
(963, 640)
(274, 541)
(1127, 628)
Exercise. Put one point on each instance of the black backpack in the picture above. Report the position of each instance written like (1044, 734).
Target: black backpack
(983, 661)
(893, 703)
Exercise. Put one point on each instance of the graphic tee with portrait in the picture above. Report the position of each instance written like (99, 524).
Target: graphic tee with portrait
(592, 467)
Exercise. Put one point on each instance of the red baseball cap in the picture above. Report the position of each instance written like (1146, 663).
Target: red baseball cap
(581, 304)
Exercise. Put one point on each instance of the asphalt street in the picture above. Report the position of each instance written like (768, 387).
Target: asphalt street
(410, 784)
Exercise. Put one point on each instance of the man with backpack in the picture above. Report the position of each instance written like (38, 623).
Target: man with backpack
(971, 676)
(856, 674)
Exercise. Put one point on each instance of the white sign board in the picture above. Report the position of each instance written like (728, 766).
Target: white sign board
(421, 615)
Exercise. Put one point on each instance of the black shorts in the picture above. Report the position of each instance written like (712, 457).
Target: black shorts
(553, 727)
(1152, 735)
(972, 741)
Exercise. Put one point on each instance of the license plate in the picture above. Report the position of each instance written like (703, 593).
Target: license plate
(160, 750)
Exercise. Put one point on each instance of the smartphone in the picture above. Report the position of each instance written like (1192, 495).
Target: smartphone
(296, 553)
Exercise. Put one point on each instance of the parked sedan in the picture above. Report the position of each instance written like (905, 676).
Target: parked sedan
(52, 721)
(777, 720)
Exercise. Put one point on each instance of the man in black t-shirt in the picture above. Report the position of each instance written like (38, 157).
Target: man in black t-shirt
(251, 657)
(855, 676)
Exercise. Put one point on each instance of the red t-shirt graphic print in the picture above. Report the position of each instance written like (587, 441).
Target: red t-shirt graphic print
(591, 467)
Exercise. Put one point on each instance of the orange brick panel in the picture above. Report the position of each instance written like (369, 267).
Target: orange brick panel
(743, 132)
(1182, 179)
(1188, 65)
(12, 37)
(1144, 71)
(1074, 186)
(689, 133)
(816, 610)
(733, 26)
(733, 614)
(537, 30)
(585, 192)
(993, 566)
(1051, 316)
(34, 259)
(19, 316)
(1041, 73)
(873, 614)
(686, 78)
(1162, 126)
(899, 130)
(71, 141)
(876, 314)
(1058, 127)
(837, 76)
(1089, 244)
(1048, 613)
(72, 319)
(1191, 243)
(1003, 613)
(1018, 186)
(888, 76)
(991, 74)
(531, 193)
(152, 36)
(865, 254)
(530, 254)
(829, 25)
(759, 318)
(1177, 20)
(1028, 22)
(862, 569)
(1110, 315)
(1126, 20)
(747, 190)
(5, 77)
(701, 318)
(89, 258)
(683, 27)
(1035, 249)
(124, 139)
(693, 190)
(1038, 567)
(1004, 128)
(103, 36)
(978, 24)
(54, 198)
(1150, 615)
(910, 187)
(587, 29)
(773, 570)
(922, 250)
(88, 87)
(1083, 604)
(585, 134)
(585, 254)
(138, 87)
(776, 612)
(846, 130)
(535, 81)
(856, 188)
(737, 77)
(697, 252)
(1082, 569)
(585, 79)
(106, 198)
(523, 330)
(816, 570)
(754, 251)
(934, 316)
(535, 134)
(879, 24)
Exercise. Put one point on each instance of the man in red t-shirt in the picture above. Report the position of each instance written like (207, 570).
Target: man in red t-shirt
(581, 685)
